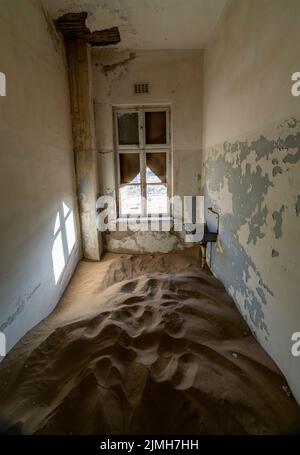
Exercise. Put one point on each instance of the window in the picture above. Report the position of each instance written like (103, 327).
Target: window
(143, 157)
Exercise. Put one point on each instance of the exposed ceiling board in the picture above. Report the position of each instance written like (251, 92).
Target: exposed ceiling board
(148, 24)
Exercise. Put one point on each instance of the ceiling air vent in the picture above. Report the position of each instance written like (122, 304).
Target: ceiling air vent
(141, 88)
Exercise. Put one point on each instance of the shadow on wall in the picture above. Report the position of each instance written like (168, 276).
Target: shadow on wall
(64, 240)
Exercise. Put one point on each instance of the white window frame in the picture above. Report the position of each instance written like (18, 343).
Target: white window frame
(142, 148)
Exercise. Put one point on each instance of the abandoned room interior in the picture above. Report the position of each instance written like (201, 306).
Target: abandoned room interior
(150, 222)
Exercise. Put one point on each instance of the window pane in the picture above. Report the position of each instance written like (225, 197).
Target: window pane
(157, 199)
(156, 127)
(128, 128)
(156, 167)
(129, 168)
(130, 200)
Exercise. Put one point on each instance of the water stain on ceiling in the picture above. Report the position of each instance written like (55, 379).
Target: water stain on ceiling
(144, 24)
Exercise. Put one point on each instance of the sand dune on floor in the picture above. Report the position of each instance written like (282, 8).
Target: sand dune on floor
(144, 344)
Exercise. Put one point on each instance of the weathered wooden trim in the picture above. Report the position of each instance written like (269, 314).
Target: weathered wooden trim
(84, 143)
(78, 39)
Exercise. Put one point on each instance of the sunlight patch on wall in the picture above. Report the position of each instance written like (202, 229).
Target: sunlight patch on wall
(58, 258)
(64, 241)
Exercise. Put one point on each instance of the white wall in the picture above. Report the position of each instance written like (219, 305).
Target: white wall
(251, 133)
(175, 79)
(36, 163)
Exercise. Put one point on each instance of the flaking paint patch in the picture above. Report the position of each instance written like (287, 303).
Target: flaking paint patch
(143, 242)
(298, 206)
(114, 67)
(276, 170)
(256, 225)
(292, 142)
(248, 185)
(277, 217)
(106, 69)
(261, 294)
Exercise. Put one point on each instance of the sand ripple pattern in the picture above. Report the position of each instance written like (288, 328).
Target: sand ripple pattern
(156, 353)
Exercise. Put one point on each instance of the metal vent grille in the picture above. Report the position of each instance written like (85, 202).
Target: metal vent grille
(141, 88)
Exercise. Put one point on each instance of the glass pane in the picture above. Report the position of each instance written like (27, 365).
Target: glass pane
(130, 200)
(156, 127)
(128, 128)
(156, 167)
(157, 199)
(129, 168)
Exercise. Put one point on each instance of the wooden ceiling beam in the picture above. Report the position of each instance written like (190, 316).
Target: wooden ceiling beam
(73, 26)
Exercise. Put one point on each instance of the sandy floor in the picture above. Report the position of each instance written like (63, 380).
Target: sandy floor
(144, 344)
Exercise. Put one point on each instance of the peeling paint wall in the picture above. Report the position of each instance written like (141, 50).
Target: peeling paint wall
(37, 167)
(251, 168)
(175, 78)
(141, 242)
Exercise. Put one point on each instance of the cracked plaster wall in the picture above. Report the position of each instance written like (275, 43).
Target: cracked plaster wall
(251, 168)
